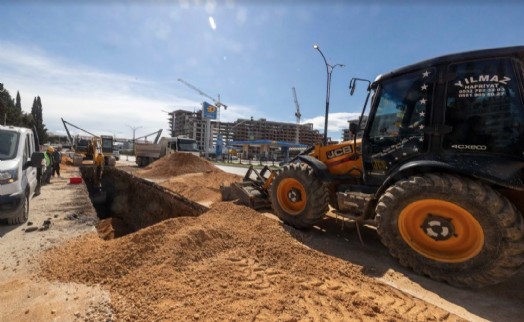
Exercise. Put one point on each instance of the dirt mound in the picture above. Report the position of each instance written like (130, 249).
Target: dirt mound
(177, 164)
(112, 227)
(193, 177)
(201, 187)
(228, 264)
(66, 160)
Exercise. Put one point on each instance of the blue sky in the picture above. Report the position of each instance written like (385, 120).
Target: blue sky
(108, 65)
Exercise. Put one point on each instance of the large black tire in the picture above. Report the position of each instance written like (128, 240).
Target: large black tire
(452, 229)
(298, 197)
(24, 213)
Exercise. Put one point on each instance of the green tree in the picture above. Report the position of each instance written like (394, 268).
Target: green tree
(3, 106)
(11, 113)
(8, 112)
(36, 112)
(18, 102)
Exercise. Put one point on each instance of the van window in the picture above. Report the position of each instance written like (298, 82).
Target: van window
(8, 144)
(484, 108)
(27, 153)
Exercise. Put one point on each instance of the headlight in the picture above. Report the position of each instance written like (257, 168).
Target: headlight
(8, 176)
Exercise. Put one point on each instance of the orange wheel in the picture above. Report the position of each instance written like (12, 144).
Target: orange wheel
(291, 196)
(298, 196)
(452, 229)
(441, 230)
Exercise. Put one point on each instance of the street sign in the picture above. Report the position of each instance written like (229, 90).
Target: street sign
(210, 111)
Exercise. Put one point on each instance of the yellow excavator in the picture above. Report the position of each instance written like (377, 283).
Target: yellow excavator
(90, 147)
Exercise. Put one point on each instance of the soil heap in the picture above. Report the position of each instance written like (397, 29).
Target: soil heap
(176, 164)
(230, 263)
(193, 177)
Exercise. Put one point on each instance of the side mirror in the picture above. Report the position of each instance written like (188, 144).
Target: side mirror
(352, 86)
(36, 159)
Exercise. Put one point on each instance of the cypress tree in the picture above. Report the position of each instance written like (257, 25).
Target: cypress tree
(8, 112)
(36, 112)
(18, 102)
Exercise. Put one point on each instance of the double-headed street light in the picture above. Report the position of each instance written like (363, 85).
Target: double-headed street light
(329, 70)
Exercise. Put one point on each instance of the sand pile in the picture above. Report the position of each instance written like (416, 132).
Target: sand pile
(203, 188)
(228, 264)
(193, 177)
(66, 160)
(177, 164)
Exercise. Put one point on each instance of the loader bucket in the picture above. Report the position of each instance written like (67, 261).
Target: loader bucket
(253, 190)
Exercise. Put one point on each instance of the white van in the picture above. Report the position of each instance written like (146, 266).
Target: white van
(19, 162)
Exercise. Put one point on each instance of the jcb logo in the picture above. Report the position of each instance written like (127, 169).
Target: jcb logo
(338, 152)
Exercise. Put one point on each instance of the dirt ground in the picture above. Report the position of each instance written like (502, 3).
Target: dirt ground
(62, 211)
(231, 263)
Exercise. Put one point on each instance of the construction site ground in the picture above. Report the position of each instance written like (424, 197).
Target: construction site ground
(231, 263)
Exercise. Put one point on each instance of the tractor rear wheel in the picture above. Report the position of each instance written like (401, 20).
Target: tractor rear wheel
(298, 197)
(452, 229)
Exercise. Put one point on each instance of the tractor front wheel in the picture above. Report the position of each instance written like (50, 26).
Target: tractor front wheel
(298, 197)
(452, 229)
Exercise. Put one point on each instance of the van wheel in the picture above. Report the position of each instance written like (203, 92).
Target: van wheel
(23, 215)
(452, 229)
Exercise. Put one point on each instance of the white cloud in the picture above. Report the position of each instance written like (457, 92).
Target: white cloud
(336, 123)
(109, 103)
(97, 101)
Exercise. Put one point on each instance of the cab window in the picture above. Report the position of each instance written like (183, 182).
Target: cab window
(484, 108)
(403, 105)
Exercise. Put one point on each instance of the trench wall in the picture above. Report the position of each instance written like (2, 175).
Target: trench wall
(141, 203)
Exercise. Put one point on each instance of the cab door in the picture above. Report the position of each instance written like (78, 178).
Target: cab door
(400, 113)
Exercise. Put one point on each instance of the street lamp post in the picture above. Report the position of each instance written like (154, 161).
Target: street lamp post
(134, 128)
(329, 70)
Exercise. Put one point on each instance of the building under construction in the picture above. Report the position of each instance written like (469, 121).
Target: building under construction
(192, 125)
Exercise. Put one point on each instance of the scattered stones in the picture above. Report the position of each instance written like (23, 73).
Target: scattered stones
(31, 228)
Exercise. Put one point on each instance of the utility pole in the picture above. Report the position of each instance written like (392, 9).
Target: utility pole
(134, 128)
(297, 114)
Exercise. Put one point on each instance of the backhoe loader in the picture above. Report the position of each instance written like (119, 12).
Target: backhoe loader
(438, 168)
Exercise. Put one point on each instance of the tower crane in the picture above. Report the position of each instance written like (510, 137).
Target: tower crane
(297, 114)
(217, 102)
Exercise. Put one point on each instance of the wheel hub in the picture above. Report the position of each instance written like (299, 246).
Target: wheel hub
(438, 228)
(294, 195)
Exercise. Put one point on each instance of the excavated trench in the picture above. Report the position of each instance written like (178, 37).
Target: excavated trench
(126, 203)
